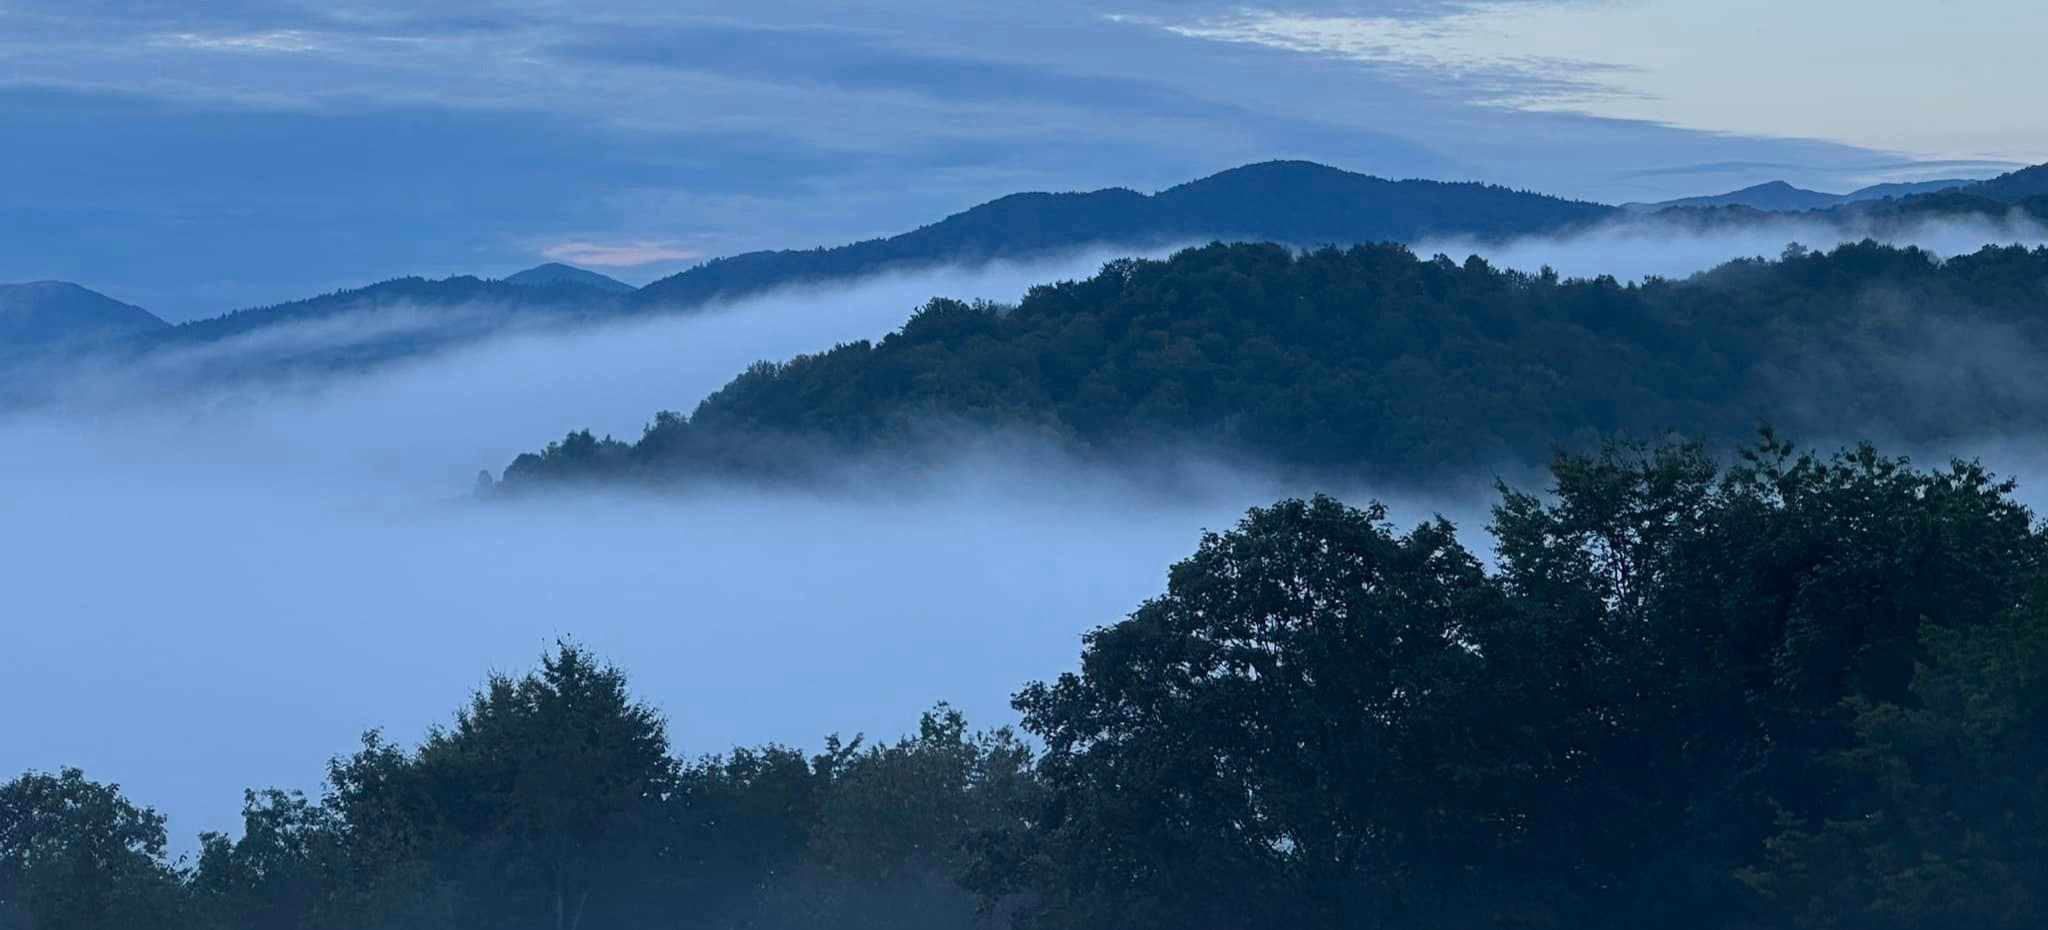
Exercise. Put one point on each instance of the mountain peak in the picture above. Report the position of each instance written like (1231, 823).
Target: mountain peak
(46, 312)
(553, 273)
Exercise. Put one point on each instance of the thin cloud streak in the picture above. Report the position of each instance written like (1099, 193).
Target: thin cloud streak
(618, 255)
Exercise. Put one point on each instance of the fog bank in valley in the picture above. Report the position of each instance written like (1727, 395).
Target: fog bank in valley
(217, 586)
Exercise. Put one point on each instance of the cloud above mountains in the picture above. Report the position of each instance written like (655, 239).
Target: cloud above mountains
(296, 147)
(617, 254)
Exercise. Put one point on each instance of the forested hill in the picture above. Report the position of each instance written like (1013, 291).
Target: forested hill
(2024, 184)
(1373, 358)
(1294, 202)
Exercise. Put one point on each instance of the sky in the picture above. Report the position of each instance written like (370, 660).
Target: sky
(195, 156)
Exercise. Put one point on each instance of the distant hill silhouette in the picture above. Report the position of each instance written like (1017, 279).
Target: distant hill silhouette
(1888, 218)
(1908, 189)
(558, 273)
(1291, 202)
(47, 313)
(2018, 185)
(1780, 197)
(446, 297)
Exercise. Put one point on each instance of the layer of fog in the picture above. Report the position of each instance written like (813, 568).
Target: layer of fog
(1633, 248)
(219, 586)
(213, 588)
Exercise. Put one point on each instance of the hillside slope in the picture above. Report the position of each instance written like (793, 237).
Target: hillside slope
(47, 313)
(558, 273)
(1372, 359)
(1292, 202)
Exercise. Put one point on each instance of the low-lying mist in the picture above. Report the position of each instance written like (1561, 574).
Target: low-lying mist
(1635, 247)
(217, 584)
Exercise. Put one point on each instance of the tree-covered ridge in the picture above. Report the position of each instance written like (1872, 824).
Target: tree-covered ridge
(2013, 186)
(1373, 358)
(1795, 692)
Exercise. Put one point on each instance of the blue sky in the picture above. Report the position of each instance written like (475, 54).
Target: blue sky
(194, 156)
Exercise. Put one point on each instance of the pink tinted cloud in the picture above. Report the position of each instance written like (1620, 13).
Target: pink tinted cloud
(617, 254)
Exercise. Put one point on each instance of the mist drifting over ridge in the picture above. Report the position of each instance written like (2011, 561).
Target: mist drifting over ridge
(198, 544)
(295, 560)
(1633, 247)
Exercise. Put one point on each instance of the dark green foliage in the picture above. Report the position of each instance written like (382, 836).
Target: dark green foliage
(76, 855)
(901, 826)
(1326, 724)
(274, 877)
(1948, 822)
(1285, 739)
(1373, 359)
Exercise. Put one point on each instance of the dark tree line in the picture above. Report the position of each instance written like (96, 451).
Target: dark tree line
(1790, 692)
(1372, 358)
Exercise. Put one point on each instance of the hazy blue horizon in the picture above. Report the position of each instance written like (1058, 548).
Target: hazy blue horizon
(202, 156)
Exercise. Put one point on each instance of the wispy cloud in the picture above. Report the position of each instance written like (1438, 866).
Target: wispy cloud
(282, 41)
(1457, 43)
(618, 254)
(1823, 69)
(637, 131)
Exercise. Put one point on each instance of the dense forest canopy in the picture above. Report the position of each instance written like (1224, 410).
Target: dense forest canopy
(1372, 358)
(1793, 692)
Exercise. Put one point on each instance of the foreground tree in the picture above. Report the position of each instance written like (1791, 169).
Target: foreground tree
(76, 855)
(898, 828)
(551, 795)
(275, 876)
(1286, 738)
(1324, 724)
(1948, 826)
(1725, 624)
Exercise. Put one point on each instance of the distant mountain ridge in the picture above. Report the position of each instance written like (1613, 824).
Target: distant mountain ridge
(1291, 202)
(45, 313)
(1781, 197)
(1295, 203)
